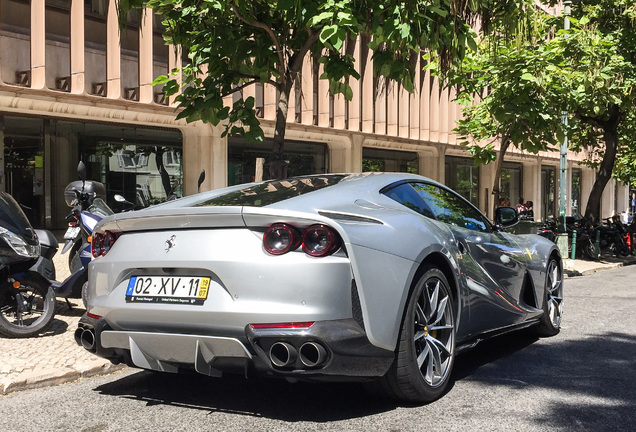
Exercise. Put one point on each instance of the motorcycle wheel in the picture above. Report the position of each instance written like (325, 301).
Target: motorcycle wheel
(589, 250)
(39, 313)
(621, 247)
(73, 256)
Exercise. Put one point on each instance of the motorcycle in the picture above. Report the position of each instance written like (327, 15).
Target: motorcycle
(585, 245)
(613, 236)
(27, 300)
(80, 196)
(88, 208)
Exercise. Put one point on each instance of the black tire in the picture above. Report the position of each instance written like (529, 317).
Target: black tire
(621, 246)
(590, 251)
(39, 314)
(73, 256)
(426, 349)
(550, 323)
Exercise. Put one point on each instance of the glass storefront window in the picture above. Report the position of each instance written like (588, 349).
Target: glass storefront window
(548, 186)
(23, 171)
(248, 162)
(575, 197)
(511, 176)
(41, 157)
(143, 165)
(380, 160)
(463, 177)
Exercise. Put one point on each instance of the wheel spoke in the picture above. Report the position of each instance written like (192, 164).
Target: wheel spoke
(440, 310)
(420, 317)
(438, 346)
(441, 327)
(432, 300)
(419, 335)
(437, 358)
(422, 356)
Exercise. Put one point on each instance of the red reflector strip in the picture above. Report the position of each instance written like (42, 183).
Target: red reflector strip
(90, 315)
(283, 325)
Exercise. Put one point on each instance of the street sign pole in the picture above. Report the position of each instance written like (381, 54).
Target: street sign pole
(562, 239)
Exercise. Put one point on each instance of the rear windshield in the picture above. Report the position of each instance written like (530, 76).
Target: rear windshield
(273, 191)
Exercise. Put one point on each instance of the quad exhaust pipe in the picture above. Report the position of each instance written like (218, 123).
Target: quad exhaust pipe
(282, 354)
(86, 338)
(311, 354)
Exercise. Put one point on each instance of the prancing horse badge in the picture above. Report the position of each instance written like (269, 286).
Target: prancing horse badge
(170, 243)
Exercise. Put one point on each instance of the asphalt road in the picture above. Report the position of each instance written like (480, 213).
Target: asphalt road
(584, 379)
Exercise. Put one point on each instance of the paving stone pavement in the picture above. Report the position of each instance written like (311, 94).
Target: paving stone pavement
(54, 358)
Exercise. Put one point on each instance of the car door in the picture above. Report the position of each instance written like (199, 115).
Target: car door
(491, 262)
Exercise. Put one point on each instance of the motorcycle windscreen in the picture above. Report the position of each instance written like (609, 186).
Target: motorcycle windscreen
(13, 218)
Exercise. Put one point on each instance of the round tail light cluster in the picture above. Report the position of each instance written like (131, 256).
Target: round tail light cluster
(102, 243)
(316, 240)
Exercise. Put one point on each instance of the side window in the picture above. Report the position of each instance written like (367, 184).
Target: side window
(408, 197)
(450, 208)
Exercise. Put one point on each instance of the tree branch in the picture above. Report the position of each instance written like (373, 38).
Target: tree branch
(270, 32)
(299, 57)
(240, 87)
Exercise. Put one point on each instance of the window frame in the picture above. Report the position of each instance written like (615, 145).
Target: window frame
(489, 227)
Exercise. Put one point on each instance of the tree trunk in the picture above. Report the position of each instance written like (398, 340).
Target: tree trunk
(277, 163)
(610, 135)
(496, 188)
(165, 177)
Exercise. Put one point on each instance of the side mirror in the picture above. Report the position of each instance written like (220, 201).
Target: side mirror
(81, 170)
(505, 217)
(200, 181)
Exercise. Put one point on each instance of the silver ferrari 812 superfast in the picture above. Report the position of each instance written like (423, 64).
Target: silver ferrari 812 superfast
(375, 277)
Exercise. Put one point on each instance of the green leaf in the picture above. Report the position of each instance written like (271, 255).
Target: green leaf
(161, 79)
(327, 32)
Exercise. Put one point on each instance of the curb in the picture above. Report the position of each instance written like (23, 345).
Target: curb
(601, 266)
(56, 376)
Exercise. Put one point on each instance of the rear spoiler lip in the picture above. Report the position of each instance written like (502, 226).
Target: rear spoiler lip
(211, 217)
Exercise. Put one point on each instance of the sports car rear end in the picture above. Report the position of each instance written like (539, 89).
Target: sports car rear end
(225, 288)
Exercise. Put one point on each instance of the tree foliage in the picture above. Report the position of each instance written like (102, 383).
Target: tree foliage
(237, 43)
(508, 98)
(523, 83)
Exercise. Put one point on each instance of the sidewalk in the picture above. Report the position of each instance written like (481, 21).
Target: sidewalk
(54, 357)
(580, 267)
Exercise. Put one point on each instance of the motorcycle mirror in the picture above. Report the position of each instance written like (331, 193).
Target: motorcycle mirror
(81, 170)
(200, 181)
(119, 198)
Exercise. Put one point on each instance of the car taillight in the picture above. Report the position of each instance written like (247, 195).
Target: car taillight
(280, 239)
(320, 240)
(317, 240)
(102, 243)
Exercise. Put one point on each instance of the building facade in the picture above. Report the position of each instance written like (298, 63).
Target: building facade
(74, 87)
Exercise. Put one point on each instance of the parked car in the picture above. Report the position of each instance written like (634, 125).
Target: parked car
(381, 278)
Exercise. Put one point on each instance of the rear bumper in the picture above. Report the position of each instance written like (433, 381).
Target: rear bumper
(328, 350)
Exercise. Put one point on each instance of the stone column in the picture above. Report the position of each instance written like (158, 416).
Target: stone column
(113, 53)
(78, 85)
(38, 45)
(145, 57)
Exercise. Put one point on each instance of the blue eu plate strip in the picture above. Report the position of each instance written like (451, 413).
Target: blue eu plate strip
(131, 285)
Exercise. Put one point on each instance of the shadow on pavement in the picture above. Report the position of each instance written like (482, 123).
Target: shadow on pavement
(258, 397)
(596, 374)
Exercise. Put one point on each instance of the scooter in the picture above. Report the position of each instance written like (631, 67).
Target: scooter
(80, 196)
(27, 300)
(88, 209)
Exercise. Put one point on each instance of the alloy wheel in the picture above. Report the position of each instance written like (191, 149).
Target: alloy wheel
(434, 332)
(555, 294)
